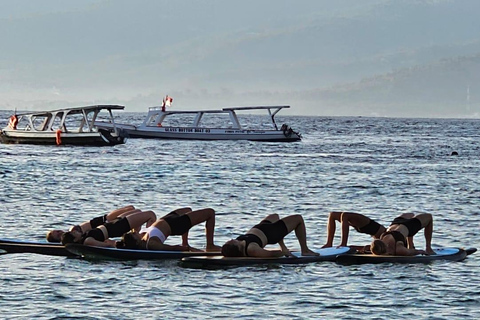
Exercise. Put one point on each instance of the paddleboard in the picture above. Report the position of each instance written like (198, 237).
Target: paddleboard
(90, 252)
(46, 248)
(326, 254)
(452, 254)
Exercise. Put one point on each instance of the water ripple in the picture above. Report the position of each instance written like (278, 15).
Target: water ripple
(376, 166)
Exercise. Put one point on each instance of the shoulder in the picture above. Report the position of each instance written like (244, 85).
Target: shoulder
(253, 248)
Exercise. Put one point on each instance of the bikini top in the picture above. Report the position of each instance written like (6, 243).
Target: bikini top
(154, 232)
(249, 238)
(98, 221)
(96, 234)
(397, 235)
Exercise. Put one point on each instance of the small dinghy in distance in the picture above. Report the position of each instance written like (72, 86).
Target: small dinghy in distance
(450, 254)
(104, 253)
(326, 254)
(45, 248)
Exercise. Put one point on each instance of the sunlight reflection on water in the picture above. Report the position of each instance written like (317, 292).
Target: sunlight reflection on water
(379, 167)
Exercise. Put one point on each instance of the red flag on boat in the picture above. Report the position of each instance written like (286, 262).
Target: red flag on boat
(167, 102)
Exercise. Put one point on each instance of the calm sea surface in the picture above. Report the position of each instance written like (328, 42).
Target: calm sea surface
(376, 166)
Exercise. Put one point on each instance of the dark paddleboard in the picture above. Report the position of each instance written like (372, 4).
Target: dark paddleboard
(326, 254)
(46, 248)
(90, 252)
(452, 254)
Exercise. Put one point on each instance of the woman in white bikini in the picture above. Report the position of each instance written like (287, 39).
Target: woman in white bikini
(177, 222)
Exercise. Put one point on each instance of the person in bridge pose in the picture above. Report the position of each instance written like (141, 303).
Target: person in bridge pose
(359, 222)
(270, 230)
(100, 236)
(174, 223)
(395, 240)
(56, 235)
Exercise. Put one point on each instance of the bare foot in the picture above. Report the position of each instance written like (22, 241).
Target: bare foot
(430, 251)
(310, 253)
(192, 249)
(326, 246)
(214, 248)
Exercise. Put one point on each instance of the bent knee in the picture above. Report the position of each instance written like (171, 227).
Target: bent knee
(297, 217)
(272, 217)
(210, 211)
(407, 215)
(425, 218)
(206, 213)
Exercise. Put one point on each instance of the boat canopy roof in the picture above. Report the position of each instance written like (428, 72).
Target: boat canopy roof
(256, 108)
(81, 118)
(227, 109)
(75, 110)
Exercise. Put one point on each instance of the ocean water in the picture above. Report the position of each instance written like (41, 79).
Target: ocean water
(377, 166)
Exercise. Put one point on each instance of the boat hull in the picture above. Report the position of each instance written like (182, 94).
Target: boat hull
(50, 138)
(186, 133)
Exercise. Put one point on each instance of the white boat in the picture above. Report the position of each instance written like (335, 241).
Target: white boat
(165, 124)
(70, 126)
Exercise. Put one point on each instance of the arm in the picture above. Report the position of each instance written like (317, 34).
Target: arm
(90, 241)
(285, 250)
(185, 243)
(158, 246)
(331, 226)
(185, 239)
(410, 243)
(345, 229)
(402, 251)
(254, 250)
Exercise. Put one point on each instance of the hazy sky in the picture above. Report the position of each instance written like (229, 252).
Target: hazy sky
(319, 56)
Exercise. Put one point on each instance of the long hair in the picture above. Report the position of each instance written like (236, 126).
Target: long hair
(51, 236)
(231, 250)
(68, 237)
(129, 241)
(378, 247)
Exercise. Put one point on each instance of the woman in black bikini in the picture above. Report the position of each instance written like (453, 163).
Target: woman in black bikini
(359, 222)
(270, 230)
(56, 235)
(397, 240)
(100, 235)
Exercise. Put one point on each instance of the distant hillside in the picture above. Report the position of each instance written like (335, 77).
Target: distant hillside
(342, 57)
(450, 87)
